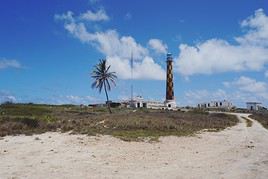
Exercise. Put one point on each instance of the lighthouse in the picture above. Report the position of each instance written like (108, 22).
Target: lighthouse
(170, 102)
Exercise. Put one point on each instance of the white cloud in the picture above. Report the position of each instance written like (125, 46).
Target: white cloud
(146, 69)
(111, 44)
(100, 15)
(116, 48)
(78, 99)
(158, 46)
(193, 97)
(67, 16)
(108, 42)
(6, 97)
(217, 55)
(238, 91)
(246, 84)
(258, 33)
(4, 63)
(70, 99)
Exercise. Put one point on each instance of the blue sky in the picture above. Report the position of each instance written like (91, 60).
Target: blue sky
(48, 49)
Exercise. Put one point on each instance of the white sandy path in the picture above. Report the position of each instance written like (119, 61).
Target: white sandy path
(237, 152)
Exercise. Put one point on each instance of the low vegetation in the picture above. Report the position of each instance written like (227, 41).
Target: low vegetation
(248, 121)
(262, 117)
(124, 123)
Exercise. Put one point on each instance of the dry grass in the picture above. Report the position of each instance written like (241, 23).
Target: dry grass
(262, 117)
(123, 123)
(248, 121)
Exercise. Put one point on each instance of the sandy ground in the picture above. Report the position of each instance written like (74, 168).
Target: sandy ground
(237, 152)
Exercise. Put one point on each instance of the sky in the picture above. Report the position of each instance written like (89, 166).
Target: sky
(49, 48)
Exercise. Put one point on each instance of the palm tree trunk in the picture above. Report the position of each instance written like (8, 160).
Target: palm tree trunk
(108, 102)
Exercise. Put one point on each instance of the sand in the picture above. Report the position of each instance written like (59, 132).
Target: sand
(236, 152)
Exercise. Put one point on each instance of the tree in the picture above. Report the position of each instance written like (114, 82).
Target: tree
(103, 79)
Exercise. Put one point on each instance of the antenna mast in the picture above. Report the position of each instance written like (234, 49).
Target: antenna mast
(131, 63)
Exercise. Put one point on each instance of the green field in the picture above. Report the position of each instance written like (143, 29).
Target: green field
(124, 123)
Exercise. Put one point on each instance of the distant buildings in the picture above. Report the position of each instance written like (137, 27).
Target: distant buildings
(139, 102)
(136, 102)
(254, 106)
(216, 105)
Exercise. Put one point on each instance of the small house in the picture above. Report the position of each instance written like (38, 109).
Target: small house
(254, 106)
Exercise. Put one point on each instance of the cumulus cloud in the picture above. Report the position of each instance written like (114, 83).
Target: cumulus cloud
(250, 53)
(5, 63)
(116, 48)
(100, 15)
(72, 99)
(68, 99)
(193, 97)
(109, 42)
(258, 29)
(146, 69)
(158, 46)
(7, 97)
(239, 91)
(246, 84)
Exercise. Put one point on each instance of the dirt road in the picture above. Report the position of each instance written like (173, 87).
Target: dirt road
(237, 152)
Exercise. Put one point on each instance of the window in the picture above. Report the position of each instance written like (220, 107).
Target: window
(144, 105)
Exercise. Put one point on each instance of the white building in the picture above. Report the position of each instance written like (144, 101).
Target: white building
(136, 102)
(139, 102)
(216, 104)
(155, 105)
(254, 106)
(170, 104)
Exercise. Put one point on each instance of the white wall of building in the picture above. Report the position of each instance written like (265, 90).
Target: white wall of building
(253, 106)
(216, 104)
(139, 102)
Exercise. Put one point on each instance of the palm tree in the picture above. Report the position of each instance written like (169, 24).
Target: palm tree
(102, 78)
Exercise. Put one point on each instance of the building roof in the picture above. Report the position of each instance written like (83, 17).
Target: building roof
(253, 102)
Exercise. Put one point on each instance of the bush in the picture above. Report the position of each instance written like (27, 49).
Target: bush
(124, 123)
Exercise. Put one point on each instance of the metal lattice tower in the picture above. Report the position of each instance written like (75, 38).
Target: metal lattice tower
(131, 64)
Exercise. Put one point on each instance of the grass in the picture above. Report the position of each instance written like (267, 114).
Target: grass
(126, 124)
(262, 117)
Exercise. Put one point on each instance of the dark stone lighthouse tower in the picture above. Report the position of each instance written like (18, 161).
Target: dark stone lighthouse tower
(170, 100)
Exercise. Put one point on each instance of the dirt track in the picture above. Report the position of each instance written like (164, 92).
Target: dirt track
(237, 152)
